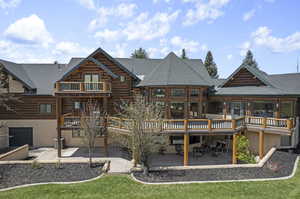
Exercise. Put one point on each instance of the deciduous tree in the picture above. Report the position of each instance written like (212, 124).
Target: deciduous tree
(92, 125)
(144, 120)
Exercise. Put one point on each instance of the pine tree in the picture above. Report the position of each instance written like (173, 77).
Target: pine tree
(249, 60)
(183, 54)
(140, 54)
(210, 65)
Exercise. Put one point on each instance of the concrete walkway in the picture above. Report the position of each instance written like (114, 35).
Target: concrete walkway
(117, 164)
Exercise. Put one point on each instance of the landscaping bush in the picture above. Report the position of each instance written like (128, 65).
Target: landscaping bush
(243, 151)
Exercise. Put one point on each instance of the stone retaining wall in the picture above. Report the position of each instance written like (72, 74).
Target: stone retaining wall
(20, 153)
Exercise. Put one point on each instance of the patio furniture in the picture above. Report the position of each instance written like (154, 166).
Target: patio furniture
(178, 149)
(198, 151)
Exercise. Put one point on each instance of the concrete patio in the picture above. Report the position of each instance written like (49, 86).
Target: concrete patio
(172, 159)
(120, 160)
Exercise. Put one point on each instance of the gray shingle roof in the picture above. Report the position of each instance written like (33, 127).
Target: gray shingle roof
(18, 72)
(169, 71)
(281, 84)
(44, 76)
(249, 90)
(143, 67)
(174, 71)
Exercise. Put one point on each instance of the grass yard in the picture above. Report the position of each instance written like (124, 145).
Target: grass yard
(122, 186)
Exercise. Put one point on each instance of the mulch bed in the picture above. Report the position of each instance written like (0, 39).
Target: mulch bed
(20, 174)
(279, 165)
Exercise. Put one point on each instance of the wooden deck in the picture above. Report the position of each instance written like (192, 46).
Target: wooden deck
(202, 126)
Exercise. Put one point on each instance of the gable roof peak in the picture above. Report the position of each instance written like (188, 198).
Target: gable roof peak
(174, 71)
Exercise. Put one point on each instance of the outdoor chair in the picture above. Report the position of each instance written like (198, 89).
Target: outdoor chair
(198, 151)
(178, 149)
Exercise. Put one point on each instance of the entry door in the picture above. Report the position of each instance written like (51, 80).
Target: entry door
(91, 81)
(20, 137)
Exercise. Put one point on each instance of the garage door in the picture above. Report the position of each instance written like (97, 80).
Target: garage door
(20, 136)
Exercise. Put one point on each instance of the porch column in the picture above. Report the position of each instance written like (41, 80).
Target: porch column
(234, 151)
(225, 109)
(261, 144)
(58, 118)
(105, 137)
(186, 143)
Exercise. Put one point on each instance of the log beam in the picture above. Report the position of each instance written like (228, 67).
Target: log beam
(186, 143)
(234, 149)
(58, 118)
(261, 144)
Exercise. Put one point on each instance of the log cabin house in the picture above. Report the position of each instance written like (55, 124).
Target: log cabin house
(197, 109)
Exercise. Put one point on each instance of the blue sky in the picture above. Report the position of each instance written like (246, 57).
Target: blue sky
(44, 31)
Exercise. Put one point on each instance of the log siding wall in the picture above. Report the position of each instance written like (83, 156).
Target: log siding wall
(244, 78)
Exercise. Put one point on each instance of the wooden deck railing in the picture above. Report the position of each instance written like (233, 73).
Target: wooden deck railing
(192, 124)
(103, 87)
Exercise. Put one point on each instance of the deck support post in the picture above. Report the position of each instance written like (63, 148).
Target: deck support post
(261, 144)
(58, 118)
(105, 105)
(186, 143)
(105, 146)
(234, 151)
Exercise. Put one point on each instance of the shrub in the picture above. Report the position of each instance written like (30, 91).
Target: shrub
(58, 164)
(243, 151)
(274, 166)
(35, 164)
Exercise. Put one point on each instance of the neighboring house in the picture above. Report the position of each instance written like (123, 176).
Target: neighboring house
(261, 106)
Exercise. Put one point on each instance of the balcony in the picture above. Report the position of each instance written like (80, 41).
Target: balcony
(280, 126)
(83, 87)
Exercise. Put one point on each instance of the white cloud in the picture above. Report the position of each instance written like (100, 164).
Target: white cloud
(4, 4)
(229, 57)
(20, 53)
(30, 30)
(189, 45)
(120, 50)
(89, 4)
(103, 13)
(145, 28)
(125, 10)
(248, 15)
(158, 52)
(245, 47)
(156, 1)
(210, 11)
(108, 35)
(70, 48)
(263, 37)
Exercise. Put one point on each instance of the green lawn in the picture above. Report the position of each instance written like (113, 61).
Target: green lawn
(123, 186)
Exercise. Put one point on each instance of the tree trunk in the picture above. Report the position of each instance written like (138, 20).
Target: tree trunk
(90, 156)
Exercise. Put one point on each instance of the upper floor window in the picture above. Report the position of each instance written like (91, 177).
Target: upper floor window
(45, 108)
(194, 92)
(178, 92)
(159, 92)
(76, 105)
(91, 78)
(122, 78)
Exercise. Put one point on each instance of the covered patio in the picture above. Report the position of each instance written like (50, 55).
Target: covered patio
(173, 159)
